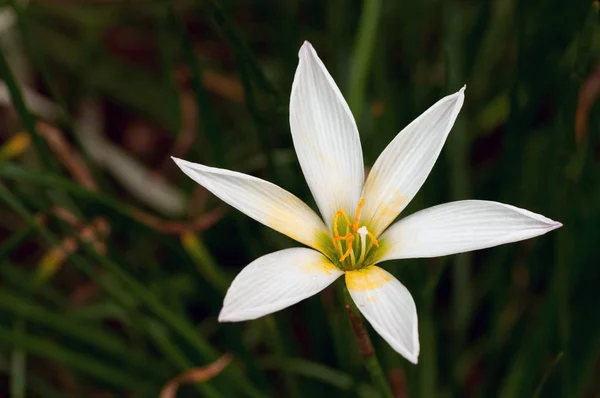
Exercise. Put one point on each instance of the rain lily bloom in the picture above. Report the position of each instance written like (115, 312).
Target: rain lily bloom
(354, 233)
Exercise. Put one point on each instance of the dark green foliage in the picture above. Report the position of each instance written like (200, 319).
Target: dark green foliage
(520, 320)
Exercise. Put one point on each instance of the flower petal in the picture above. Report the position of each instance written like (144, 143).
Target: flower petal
(404, 165)
(276, 281)
(388, 306)
(325, 137)
(461, 226)
(265, 202)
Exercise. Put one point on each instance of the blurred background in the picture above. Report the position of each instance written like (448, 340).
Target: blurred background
(114, 265)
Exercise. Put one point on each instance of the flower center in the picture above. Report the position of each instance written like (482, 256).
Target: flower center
(350, 240)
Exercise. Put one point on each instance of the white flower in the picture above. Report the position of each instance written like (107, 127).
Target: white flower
(357, 213)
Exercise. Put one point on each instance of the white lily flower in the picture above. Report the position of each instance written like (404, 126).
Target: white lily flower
(354, 236)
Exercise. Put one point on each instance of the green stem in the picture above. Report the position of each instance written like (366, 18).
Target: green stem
(204, 102)
(366, 349)
(26, 117)
(538, 390)
(18, 364)
(219, 280)
(206, 264)
(40, 66)
(19, 306)
(38, 346)
(23, 23)
(457, 156)
(250, 73)
(363, 52)
(276, 342)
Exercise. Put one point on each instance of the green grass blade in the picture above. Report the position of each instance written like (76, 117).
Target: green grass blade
(18, 364)
(362, 55)
(83, 363)
(26, 117)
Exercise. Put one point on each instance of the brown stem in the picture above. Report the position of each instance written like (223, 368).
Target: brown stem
(360, 333)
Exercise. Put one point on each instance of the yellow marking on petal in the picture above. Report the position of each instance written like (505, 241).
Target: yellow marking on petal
(392, 209)
(365, 279)
(281, 222)
(400, 199)
(324, 267)
(288, 223)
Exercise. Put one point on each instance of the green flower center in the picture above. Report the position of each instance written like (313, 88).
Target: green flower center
(351, 245)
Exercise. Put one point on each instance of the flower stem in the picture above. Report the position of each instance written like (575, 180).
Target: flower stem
(457, 156)
(365, 347)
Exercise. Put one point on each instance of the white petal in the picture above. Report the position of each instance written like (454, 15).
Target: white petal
(388, 306)
(404, 165)
(276, 281)
(325, 137)
(265, 202)
(462, 226)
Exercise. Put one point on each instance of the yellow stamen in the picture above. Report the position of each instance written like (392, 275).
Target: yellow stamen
(338, 238)
(350, 238)
(357, 214)
(336, 234)
(350, 234)
(370, 235)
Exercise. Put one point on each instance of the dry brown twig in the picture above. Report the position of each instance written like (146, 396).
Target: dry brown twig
(195, 375)
(217, 83)
(200, 223)
(224, 86)
(587, 96)
(67, 155)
